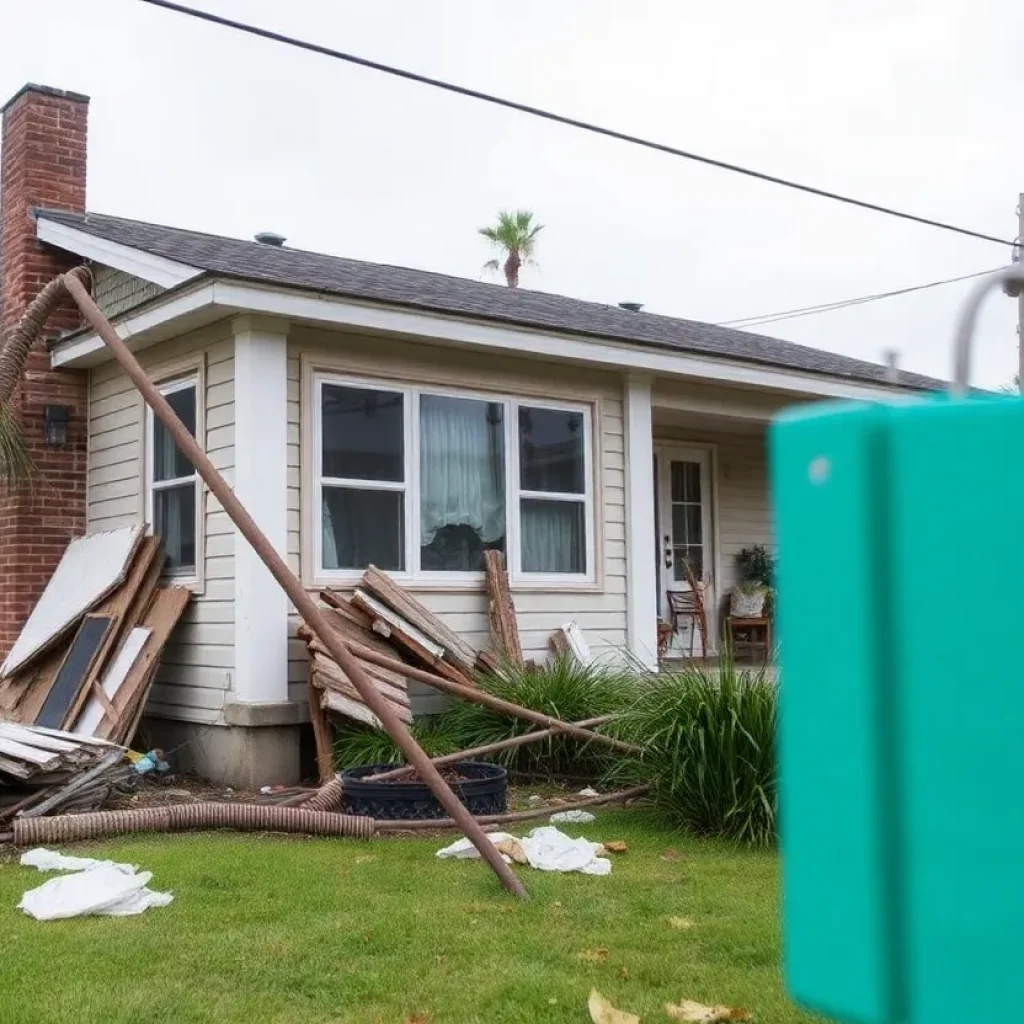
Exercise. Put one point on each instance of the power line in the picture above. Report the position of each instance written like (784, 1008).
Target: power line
(548, 115)
(826, 307)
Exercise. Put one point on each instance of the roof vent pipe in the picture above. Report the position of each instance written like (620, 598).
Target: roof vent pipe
(892, 368)
(270, 238)
(633, 307)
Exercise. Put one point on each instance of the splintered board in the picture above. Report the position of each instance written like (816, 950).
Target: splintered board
(90, 568)
(74, 669)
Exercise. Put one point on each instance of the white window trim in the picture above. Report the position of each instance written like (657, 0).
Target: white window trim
(411, 484)
(170, 379)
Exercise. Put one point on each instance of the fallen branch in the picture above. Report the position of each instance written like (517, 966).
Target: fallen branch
(489, 748)
(507, 819)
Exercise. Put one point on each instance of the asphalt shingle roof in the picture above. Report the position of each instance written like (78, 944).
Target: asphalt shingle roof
(441, 293)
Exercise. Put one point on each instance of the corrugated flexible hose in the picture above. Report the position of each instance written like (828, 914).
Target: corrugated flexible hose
(65, 828)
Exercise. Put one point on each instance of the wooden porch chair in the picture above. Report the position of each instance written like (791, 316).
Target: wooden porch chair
(687, 607)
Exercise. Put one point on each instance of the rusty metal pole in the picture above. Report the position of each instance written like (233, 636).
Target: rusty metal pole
(303, 603)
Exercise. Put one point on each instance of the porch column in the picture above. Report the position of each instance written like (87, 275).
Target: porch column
(641, 542)
(261, 483)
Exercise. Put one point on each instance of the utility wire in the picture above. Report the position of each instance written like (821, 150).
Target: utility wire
(573, 122)
(792, 314)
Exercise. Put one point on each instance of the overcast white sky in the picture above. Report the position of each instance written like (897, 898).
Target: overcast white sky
(912, 104)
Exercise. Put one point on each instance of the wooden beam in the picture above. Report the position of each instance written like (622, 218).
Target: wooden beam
(501, 612)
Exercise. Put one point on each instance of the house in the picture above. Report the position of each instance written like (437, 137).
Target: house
(371, 414)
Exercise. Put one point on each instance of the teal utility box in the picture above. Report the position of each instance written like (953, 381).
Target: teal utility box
(900, 532)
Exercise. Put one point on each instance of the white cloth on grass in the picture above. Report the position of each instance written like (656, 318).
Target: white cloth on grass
(572, 817)
(546, 849)
(93, 887)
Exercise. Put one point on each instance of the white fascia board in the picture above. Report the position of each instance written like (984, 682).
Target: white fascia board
(156, 269)
(88, 349)
(232, 296)
(547, 344)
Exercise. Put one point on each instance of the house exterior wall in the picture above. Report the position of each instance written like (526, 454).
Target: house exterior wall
(196, 669)
(599, 608)
(115, 291)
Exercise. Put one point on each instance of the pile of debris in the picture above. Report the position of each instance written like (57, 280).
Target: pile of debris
(384, 619)
(74, 684)
(87, 655)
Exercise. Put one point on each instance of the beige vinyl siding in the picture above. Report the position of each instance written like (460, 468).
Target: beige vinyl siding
(600, 609)
(115, 291)
(197, 665)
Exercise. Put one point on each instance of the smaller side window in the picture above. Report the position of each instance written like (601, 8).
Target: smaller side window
(172, 483)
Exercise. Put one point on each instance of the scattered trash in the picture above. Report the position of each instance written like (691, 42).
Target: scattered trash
(545, 849)
(151, 762)
(697, 1013)
(573, 817)
(616, 846)
(680, 923)
(589, 791)
(602, 1011)
(93, 887)
(535, 801)
(513, 850)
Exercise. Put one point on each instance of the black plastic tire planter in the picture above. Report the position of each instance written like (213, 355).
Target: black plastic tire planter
(484, 791)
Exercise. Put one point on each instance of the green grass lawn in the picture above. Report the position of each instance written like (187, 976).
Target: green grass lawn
(295, 931)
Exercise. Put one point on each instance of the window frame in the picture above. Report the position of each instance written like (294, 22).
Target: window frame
(411, 394)
(179, 378)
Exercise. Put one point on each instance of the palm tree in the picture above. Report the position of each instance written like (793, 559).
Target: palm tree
(16, 464)
(515, 237)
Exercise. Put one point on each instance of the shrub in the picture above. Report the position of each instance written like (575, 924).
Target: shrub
(563, 689)
(709, 750)
(363, 744)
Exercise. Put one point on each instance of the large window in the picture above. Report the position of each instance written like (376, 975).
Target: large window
(172, 486)
(422, 482)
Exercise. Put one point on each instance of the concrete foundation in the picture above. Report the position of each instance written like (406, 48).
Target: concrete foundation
(242, 756)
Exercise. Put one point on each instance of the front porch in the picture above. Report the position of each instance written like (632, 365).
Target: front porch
(704, 500)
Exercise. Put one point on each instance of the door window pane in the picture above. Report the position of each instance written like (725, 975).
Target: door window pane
(553, 536)
(686, 481)
(363, 433)
(682, 552)
(174, 519)
(168, 461)
(551, 451)
(363, 528)
(462, 482)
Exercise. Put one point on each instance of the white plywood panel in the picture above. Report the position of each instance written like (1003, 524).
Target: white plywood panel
(92, 566)
(115, 675)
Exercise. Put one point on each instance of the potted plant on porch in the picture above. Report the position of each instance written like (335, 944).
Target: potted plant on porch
(756, 566)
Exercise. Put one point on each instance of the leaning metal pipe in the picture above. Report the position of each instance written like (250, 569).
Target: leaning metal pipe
(65, 828)
(289, 583)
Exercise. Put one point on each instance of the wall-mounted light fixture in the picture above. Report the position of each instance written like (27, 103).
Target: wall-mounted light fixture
(55, 422)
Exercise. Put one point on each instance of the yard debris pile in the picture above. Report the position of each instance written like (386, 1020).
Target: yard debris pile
(380, 618)
(74, 685)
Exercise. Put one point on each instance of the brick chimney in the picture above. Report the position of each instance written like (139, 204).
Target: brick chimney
(42, 164)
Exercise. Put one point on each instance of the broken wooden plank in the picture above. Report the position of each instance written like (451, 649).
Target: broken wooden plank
(501, 612)
(334, 676)
(166, 608)
(395, 679)
(42, 760)
(76, 785)
(571, 644)
(354, 709)
(321, 735)
(90, 568)
(456, 649)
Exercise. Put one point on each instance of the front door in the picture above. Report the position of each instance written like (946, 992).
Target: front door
(683, 486)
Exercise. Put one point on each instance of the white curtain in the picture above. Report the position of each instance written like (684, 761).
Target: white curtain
(462, 467)
(330, 551)
(552, 536)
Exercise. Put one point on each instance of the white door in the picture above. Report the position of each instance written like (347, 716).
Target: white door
(683, 485)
